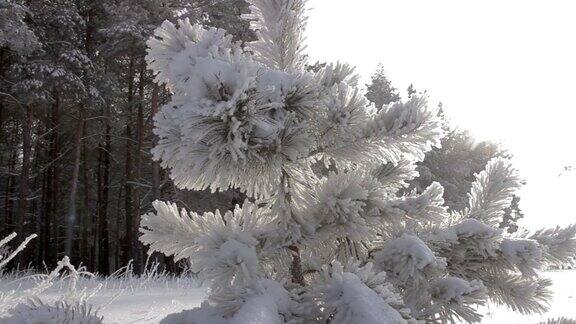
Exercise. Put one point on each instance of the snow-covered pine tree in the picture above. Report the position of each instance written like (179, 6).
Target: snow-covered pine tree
(322, 245)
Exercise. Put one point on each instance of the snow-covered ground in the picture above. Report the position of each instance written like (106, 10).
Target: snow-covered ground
(125, 300)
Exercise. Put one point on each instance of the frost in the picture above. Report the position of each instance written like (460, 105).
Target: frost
(220, 247)
(324, 173)
(345, 298)
(348, 205)
(454, 289)
(526, 254)
(264, 302)
(473, 227)
(408, 258)
(35, 312)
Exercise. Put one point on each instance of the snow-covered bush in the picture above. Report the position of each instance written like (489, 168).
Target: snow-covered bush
(35, 311)
(341, 246)
(22, 305)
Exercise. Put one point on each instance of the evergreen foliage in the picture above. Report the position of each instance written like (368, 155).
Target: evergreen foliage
(355, 247)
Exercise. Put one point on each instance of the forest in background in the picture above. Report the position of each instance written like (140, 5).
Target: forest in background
(76, 119)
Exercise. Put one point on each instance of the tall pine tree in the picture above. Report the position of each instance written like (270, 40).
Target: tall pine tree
(330, 247)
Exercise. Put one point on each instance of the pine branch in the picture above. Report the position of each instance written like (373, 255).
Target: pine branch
(492, 192)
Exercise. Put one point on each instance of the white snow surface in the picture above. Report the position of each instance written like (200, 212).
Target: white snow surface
(151, 299)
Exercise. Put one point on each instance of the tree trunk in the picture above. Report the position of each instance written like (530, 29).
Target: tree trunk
(24, 176)
(51, 223)
(8, 202)
(158, 257)
(128, 208)
(296, 266)
(2, 136)
(25, 171)
(71, 219)
(155, 164)
(35, 205)
(104, 185)
(136, 246)
(87, 219)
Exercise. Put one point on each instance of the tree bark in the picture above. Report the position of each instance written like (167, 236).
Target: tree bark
(128, 178)
(296, 266)
(156, 172)
(8, 202)
(72, 213)
(136, 246)
(104, 185)
(87, 252)
(24, 176)
(52, 222)
(155, 164)
(25, 171)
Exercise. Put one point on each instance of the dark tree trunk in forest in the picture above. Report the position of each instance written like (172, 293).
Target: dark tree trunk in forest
(48, 193)
(8, 199)
(156, 172)
(136, 246)
(155, 164)
(72, 213)
(51, 222)
(128, 195)
(24, 175)
(36, 205)
(2, 135)
(103, 192)
(87, 252)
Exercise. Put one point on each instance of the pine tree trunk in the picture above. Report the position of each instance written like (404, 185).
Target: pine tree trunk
(8, 201)
(51, 223)
(136, 246)
(2, 136)
(128, 195)
(44, 212)
(155, 164)
(158, 257)
(25, 171)
(48, 192)
(33, 250)
(104, 185)
(72, 213)
(87, 216)
(296, 266)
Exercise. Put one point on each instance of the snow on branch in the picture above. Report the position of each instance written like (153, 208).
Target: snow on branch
(5, 259)
(425, 207)
(333, 74)
(354, 294)
(347, 205)
(396, 176)
(345, 115)
(559, 245)
(521, 294)
(454, 299)
(403, 130)
(408, 260)
(525, 254)
(280, 26)
(232, 122)
(218, 246)
(492, 191)
(175, 53)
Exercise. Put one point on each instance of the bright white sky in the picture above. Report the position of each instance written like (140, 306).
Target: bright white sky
(505, 70)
